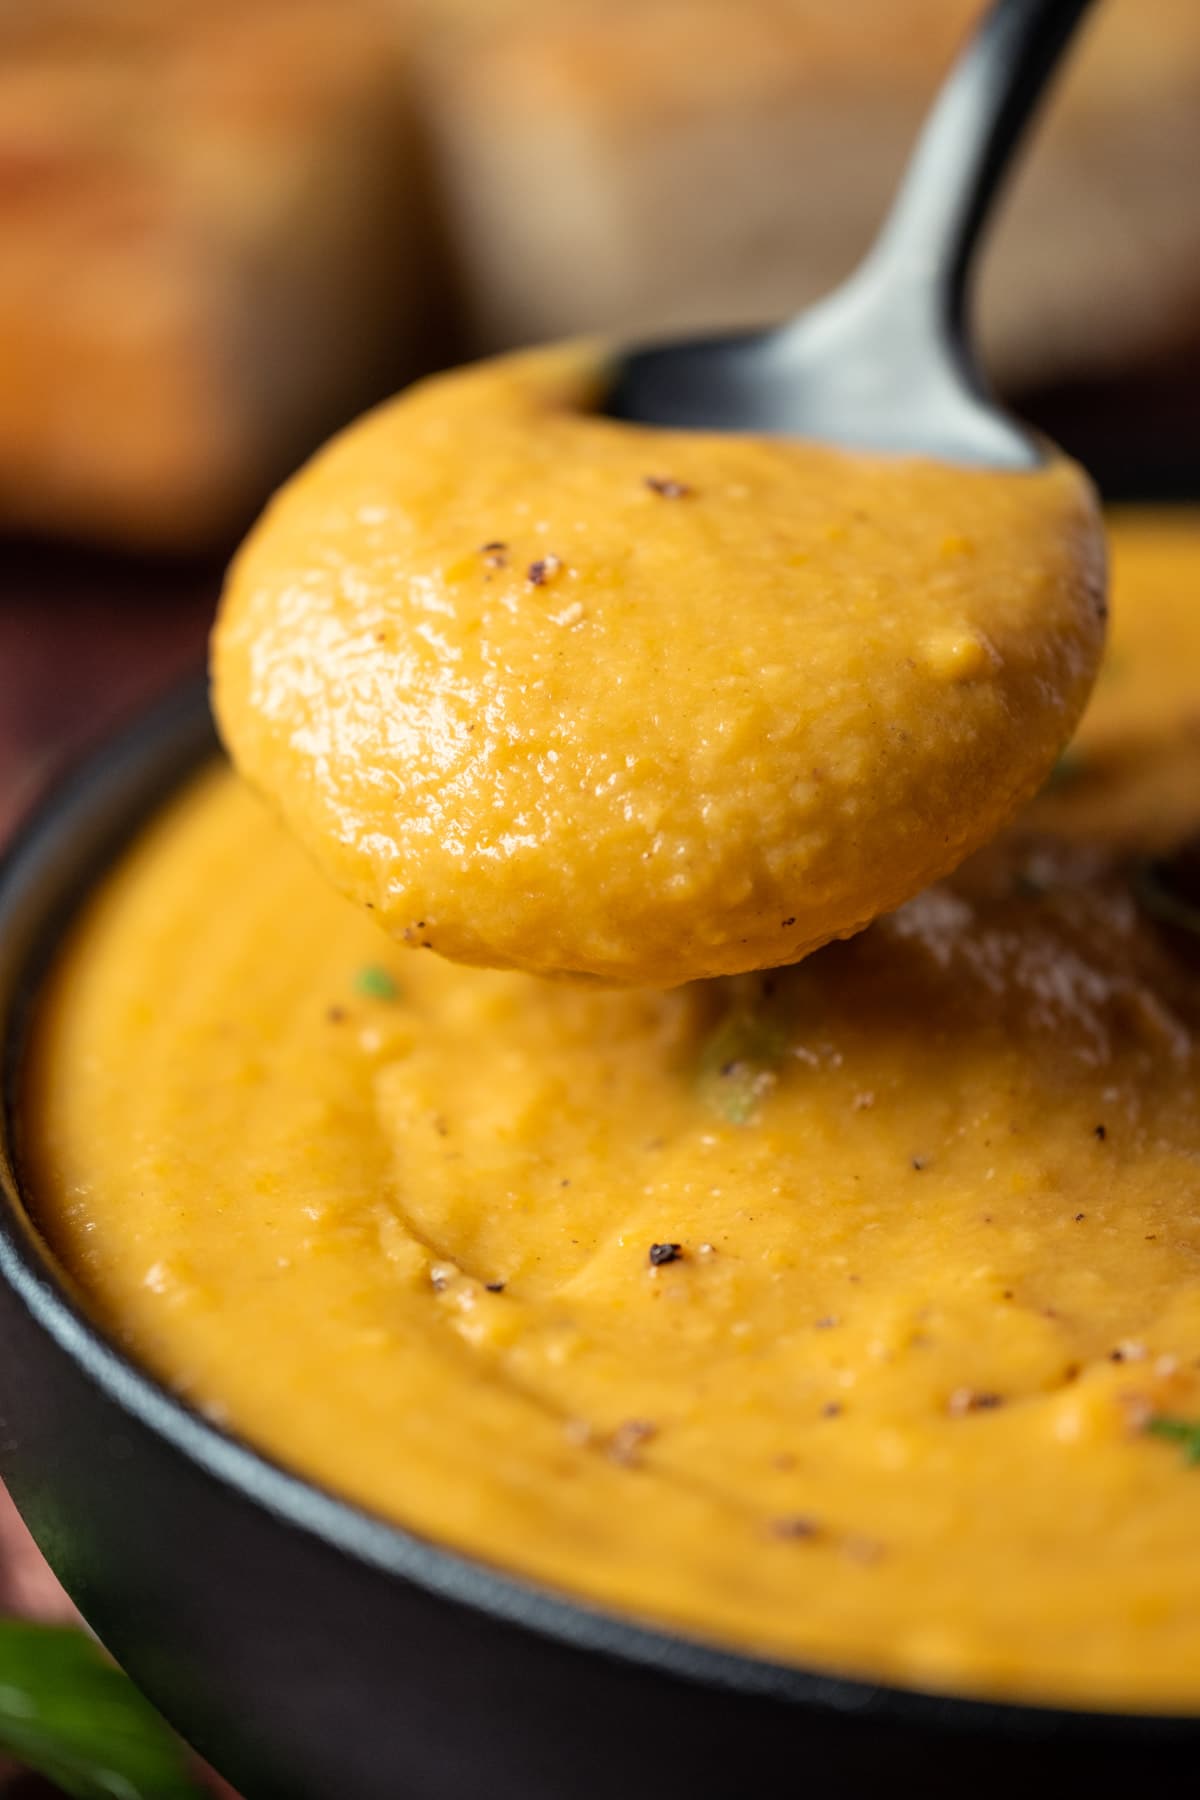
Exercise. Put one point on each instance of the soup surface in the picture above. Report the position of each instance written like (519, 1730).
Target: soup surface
(849, 1313)
(557, 693)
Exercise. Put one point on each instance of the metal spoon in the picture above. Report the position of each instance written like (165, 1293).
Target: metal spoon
(886, 362)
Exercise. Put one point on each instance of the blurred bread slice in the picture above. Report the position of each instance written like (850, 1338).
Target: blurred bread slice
(212, 249)
(1095, 265)
(654, 165)
(217, 231)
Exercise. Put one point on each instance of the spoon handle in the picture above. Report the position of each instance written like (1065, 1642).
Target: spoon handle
(965, 148)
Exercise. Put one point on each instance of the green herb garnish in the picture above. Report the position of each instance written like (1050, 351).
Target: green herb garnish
(737, 1060)
(375, 982)
(1184, 1432)
(70, 1715)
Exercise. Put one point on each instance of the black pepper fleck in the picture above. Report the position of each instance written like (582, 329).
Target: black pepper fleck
(1100, 1132)
(667, 488)
(798, 1528)
(665, 1253)
(494, 1287)
(542, 571)
(969, 1400)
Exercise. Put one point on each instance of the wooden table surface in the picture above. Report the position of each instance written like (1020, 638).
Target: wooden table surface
(84, 643)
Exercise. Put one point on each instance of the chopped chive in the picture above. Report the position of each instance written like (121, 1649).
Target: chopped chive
(1184, 1432)
(737, 1061)
(375, 982)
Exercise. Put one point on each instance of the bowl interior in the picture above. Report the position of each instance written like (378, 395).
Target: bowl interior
(45, 877)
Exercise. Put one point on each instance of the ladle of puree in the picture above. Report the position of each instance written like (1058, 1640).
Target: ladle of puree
(557, 690)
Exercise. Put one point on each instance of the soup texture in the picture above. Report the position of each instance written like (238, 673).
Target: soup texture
(561, 694)
(849, 1314)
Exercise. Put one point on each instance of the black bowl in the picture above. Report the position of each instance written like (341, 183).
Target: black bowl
(312, 1652)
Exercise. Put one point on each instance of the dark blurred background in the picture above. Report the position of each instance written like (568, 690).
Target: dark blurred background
(228, 225)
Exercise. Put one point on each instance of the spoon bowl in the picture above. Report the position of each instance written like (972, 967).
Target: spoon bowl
(886, 361)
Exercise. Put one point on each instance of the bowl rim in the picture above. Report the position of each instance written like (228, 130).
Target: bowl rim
(71, 835)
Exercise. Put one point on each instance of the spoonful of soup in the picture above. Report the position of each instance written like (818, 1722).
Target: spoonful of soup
(682, 663)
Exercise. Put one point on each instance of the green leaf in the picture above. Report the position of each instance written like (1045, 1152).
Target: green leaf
(69, 1714)
(376, 983)
(1184, 1432)
(737, 1061)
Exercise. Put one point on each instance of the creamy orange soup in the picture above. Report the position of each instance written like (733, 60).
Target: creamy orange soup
(849, 1314)
(556, 693)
